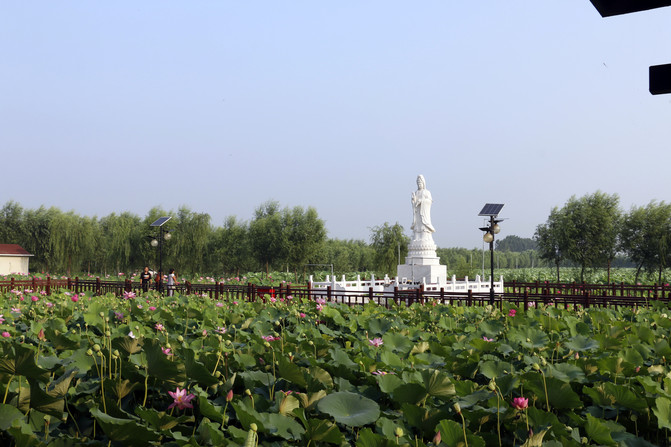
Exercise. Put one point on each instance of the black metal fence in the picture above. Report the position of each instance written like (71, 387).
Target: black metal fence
(524, 295)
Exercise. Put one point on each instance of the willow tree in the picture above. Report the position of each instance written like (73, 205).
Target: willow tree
(190, 235)
(72, 237)
(644, 237)
(389, 243)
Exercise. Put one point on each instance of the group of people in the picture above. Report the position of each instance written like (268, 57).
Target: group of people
(145, 277)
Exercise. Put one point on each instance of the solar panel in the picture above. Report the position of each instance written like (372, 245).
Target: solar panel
(160, 221)
(491, 209)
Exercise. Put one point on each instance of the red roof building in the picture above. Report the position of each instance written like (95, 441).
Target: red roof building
(13, 259)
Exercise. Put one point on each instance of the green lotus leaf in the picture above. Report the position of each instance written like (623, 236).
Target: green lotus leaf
(210, 433)
(20, 361)
(161, 367)
(397, 342)
(8, 415)
(350, 409)
(389, 382)
(492, 369)
(452, 433)
(598, 431)
(126, 431)
(195, 370)
(662, 410)
(291, 372)
(581, 343)
(566, 372)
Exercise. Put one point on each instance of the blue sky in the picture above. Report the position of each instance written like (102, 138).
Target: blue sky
(220, 106)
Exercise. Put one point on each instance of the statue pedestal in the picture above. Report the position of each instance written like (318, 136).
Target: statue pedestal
(422, 264)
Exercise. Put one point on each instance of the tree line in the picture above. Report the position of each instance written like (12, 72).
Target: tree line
(592, 231)
(588, 232)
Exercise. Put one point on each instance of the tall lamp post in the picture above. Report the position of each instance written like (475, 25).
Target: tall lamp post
(492, 211)
(163, 235)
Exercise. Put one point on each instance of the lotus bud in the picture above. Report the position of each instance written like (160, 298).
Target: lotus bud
(311, 343)
(398, 431)
(492, 385)
(457, 407)
(100, 354)
(102, 314)
(228, 343)
(89, 352)
(266, 344)
(108, 334)
(116, 353)
(96, 347)
(229, 395)
(543, 361)
(107, 319)
(277, 322)
(180, 338)
(536, 367)
(253, 427)
(247, 392)
(437, 438)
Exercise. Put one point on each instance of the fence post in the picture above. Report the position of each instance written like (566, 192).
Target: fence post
(309, 290)
(98, 286)
(469, 302)
(328, 293)
(586, 304)
(526, 300)
(396, 295)
(287, 293)
(188, 288)
(442, 295)
(370, 294)
(48, 285)
(216, 291)
(34, 284)
(77, 284)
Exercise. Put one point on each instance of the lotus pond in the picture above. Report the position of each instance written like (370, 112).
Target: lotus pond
(189, 371)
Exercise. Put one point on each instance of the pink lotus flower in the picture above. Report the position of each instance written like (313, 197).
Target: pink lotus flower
(377, 342)
(379, 372)
(128, 295)
(49, 305)
(302, 315)
(34, 299)
(520, 403)
(270, 338)
(159, 327)
(166, 351)
(221, 330)
(512, 312)
(181, 399)
(219, 304)
(2, 319)
(6, 334)
(74, 298)
(487, 339)
(204, 332)
(152, 308)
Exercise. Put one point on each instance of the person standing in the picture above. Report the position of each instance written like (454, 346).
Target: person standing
(145, 276)
(172, 282)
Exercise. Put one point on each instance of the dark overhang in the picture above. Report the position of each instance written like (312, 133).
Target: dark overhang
(660, 75)
(609, 8)
(660, 79)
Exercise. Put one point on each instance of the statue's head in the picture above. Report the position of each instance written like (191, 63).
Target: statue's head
(421, 183)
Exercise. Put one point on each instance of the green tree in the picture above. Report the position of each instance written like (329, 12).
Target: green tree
(386, 241)
(588, 230)
(515, 244)
(305, 235)
(189, 240)
(229, 248)
(644, 237)
(549, 239)
(267, 235)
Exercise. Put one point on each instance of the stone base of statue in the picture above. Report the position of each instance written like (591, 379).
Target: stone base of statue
(422, 265)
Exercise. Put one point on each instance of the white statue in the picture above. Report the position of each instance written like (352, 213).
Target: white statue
(421, 208)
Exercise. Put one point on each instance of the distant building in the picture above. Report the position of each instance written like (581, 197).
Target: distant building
(13, 259)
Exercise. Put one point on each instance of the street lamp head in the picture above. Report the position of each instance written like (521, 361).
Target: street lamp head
(154, 243)
(488, 237)
(167, 236)
(496, 229)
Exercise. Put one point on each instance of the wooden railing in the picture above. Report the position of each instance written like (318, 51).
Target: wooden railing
(524, 295)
